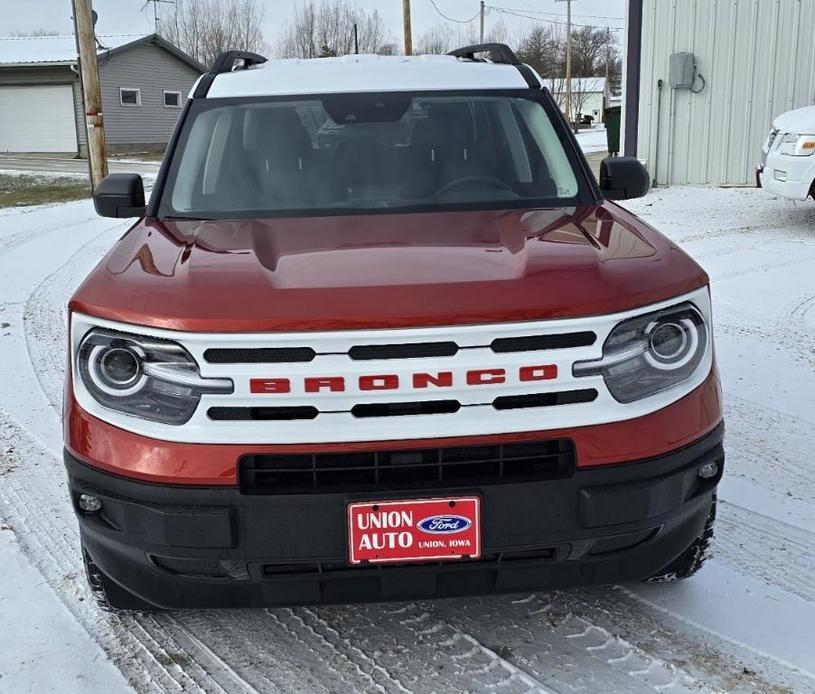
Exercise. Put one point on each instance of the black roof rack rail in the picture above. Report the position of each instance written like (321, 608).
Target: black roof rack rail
(226, 63)
(501, 54)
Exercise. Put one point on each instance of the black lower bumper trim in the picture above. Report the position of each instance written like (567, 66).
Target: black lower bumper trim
(180, 547)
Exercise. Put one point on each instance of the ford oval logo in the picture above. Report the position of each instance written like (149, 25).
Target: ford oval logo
(444, 525)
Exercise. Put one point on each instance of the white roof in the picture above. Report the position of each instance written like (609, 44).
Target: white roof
(53, 50)
(589, 85)
(365, 73)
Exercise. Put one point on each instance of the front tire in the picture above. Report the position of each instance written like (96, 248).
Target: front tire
(693, 558)
(108, 594)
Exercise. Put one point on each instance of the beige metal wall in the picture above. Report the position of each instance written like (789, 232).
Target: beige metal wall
(758, 57)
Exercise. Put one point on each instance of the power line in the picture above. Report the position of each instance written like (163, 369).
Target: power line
(560, 14)
(518, 13)
(453, 19)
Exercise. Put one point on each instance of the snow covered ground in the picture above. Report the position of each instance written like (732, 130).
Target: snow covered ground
(744, 624)
(593, 139)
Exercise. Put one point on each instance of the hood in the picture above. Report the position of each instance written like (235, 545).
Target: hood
(385, 271)
(800, 121)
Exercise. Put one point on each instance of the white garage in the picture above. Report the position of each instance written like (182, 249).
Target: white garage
(37, 119)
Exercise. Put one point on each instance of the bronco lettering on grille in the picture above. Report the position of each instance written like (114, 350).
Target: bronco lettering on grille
(440, 379)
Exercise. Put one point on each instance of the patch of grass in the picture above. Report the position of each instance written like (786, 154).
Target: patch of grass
(18, 190)
(140, 156)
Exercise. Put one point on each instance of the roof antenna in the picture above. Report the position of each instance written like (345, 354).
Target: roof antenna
(155, 11)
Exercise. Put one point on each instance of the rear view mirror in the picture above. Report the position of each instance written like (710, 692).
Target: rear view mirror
(623, 178)
(120, 195)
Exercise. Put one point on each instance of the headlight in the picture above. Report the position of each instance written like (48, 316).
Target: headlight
(650, 353)
(797, 145)
(143, 376)
(768, 143)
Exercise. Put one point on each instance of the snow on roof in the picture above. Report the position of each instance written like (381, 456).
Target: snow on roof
(50, 50)
(589, 85)
(365, 73)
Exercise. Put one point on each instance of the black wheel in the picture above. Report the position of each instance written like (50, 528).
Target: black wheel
(109, 595)
(693, 558)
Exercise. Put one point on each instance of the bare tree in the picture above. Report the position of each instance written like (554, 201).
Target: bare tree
(557, 87)
(205, 28)
(544, 49)
(35, 33)
(581, 93)
(497, 32)
(588, 50)
(437, 40)
(326, 28)
(443, 38)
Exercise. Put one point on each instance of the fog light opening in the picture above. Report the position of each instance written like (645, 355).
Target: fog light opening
(90, 503)
(708, 470)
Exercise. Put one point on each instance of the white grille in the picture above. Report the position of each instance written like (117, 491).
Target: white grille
(335, 420)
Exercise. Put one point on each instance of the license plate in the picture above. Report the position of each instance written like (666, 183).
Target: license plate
(414, 530)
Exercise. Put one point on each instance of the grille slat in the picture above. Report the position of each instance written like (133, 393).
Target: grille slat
(403, 351)
(265, 414)
(406, 409)
(566, 397)
(260, 355)
(407, 469)
(536, 343)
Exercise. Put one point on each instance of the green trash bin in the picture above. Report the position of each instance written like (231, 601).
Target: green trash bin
(613, 116)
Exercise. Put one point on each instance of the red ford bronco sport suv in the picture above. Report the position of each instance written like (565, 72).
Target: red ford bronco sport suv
(380, 335)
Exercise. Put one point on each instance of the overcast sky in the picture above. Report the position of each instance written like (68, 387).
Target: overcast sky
(126, 16)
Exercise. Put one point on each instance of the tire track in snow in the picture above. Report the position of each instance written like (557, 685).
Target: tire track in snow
(753, 431)
(44, 319)
(799, 345)
(443, 657)
(32, 499)
(561, 620)
(753, 269)
(389, 682)
(346, 664)
(518, 640)
(774, 552)
(29, 234)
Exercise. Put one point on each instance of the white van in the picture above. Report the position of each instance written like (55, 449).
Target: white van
(787, 165)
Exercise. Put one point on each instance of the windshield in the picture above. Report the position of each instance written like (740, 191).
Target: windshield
(342, 153)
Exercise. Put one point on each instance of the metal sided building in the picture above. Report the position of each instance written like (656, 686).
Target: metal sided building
(749, 60)
(144, 80)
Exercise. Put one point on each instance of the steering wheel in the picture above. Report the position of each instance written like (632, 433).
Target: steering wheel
(473, 182)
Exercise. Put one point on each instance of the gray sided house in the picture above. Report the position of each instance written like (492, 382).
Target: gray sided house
(145, 81)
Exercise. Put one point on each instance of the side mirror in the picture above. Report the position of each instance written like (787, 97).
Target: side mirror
(622, 178)
(120, 195)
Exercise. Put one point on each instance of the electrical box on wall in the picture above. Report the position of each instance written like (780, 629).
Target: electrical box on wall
(682, 70)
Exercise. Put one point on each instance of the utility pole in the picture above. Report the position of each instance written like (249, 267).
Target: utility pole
(408, 32)
(91, 92)
(481, 35)
(568, 59)
(608, 60)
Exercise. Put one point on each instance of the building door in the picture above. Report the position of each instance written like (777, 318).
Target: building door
(37, 119)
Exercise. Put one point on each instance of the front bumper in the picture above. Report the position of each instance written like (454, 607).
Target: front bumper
(798, 174)
(181, 547)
